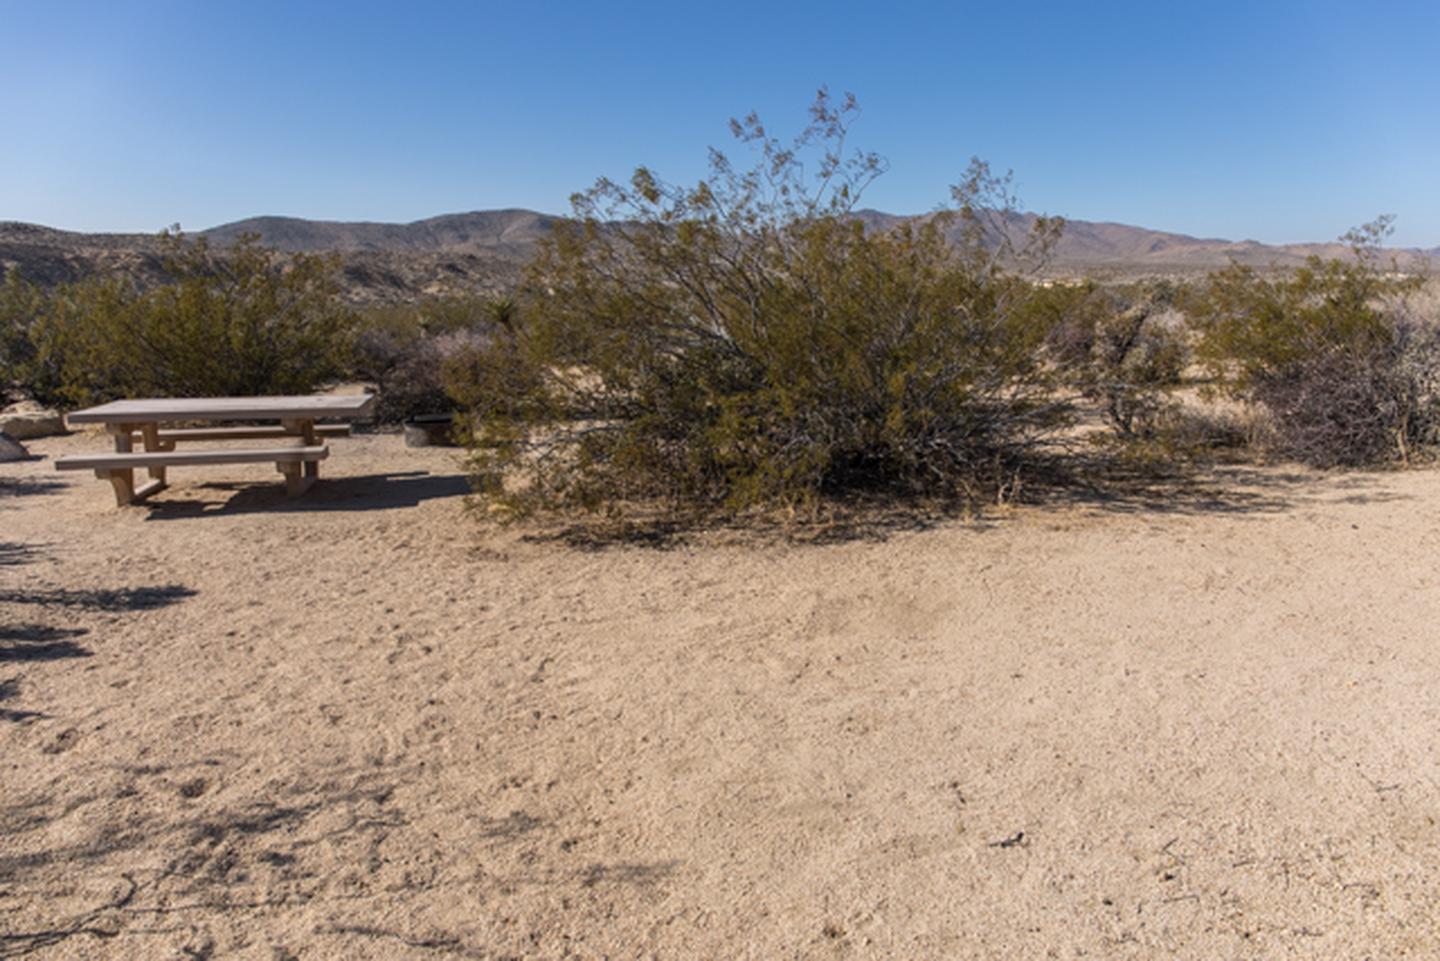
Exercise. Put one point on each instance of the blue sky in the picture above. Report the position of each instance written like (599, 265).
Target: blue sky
(1278, 121)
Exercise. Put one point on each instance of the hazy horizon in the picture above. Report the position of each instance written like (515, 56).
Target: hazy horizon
(1288, 124)
(188, 229)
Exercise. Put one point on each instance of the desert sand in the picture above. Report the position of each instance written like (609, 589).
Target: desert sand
(362, 725)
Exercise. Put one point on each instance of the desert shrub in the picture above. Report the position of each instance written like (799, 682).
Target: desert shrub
(1358, 404)
(412, 385)
(745, 342)
(1190, 432)
(1181, 436)
(403, 351)
(1068, 313)
(1123, 348)
(1346, 378)
(21, 373)
(237, 323)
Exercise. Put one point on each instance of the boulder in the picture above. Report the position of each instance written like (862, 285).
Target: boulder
(11, 449)
(28, 420)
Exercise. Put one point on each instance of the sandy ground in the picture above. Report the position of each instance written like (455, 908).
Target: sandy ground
(357, 725)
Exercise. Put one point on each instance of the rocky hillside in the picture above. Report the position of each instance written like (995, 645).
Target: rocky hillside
(484, 251)
(510, 231)
(462, 253)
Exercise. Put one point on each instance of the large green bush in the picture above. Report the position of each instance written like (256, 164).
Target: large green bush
(21, 304)
(1345, 375)
(747, 342)
(237, 322)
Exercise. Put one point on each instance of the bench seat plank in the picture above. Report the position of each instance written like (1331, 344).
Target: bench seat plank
(244, 433)
(177, 458)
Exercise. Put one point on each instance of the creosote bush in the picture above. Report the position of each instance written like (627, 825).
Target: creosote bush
(1365, 405)
(746, 343)
(1122, 347)
(1346, 376)
(21, 372)
(239, 322)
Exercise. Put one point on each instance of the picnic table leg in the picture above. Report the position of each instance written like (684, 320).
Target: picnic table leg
(296, 483)
(122, 479)
(307, 433)
(124, 483)
(151, 434)
(308, 472)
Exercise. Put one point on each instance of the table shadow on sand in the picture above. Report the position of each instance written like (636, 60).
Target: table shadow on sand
(368, 492)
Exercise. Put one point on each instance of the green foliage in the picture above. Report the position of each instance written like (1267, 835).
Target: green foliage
(1351, 407)
(1345, 379)
(1123, 348)
(1255, 324)
(745, 342)
(21, 371)
(241, 323)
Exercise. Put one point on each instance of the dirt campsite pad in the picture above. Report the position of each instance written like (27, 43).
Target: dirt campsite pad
(358, 725)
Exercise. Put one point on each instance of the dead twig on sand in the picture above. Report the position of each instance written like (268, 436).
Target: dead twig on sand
(449, 944)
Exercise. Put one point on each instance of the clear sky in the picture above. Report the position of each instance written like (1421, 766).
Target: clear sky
(1278, 121)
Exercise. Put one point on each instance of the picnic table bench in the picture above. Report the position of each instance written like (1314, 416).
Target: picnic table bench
(132, 422)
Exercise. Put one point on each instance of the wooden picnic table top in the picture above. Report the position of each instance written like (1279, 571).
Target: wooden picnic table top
(154, 410)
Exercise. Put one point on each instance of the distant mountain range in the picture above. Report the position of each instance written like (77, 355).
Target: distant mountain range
(1111, 249)
(484, 250)
(482, 230)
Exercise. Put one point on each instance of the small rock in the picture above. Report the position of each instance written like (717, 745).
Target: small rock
(62, 742)
(11, 449)
(193, 788)
(27, 420)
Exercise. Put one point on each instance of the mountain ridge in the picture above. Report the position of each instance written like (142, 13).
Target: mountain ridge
(484, 250)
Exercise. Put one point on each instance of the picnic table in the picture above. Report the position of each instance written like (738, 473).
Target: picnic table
(132, 422)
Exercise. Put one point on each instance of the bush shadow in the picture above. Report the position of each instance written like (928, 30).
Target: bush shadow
(9, 690)
(270, 848)
(16, 487)
(13, 553)
(111, 600)
(837, 523)
(1118, 485)
(28, 641)
(40, 642)
(1088, 484)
